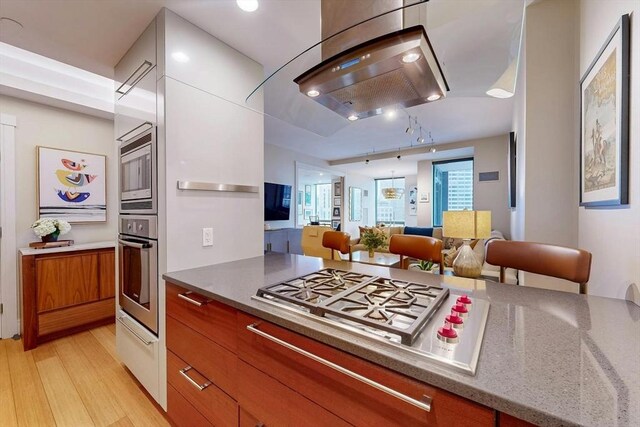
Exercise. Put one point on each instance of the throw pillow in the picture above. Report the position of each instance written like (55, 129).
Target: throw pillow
(419, 231)
(450, 256)
(450, 242)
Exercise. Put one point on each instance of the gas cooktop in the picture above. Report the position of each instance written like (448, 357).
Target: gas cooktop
(422, 319)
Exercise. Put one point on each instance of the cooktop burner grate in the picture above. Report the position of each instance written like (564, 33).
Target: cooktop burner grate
(394, 306)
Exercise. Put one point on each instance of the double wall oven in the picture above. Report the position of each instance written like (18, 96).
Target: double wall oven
(138, 229)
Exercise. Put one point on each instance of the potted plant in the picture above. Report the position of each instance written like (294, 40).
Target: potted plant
(49, 229)
(372, 239)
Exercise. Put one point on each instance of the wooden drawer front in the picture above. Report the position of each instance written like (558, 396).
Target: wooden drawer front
(107, 277)
(66, 280)
(213, 403)
(212, 360)
(71, 317)
(273, 404)
(181, 412)
(347, 397)
(214, 320)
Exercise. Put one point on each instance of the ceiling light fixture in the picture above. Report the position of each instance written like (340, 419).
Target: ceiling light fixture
(352, 118)
(248, 5)
(392, 193)
(180, 57)
(390, 114)
(366, 162)
(420, 139)
(409, 130)
(313, 93)
(505, 86)
(433, 149)
(434, 97)
(410, 57)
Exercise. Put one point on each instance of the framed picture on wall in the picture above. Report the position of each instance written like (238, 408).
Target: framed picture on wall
(307, 213)
(300, 197)
(307, 195)
(71, 185)
(337, 201)
(413, 201)
(424, 197)
(335, 224)
(337, 188)
(336, 212)
(604, 123)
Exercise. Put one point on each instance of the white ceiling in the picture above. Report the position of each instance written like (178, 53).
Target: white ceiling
(474, 40)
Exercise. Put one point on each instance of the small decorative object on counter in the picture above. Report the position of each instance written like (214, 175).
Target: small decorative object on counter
(49, 229)
(425, 265)
(372, 239)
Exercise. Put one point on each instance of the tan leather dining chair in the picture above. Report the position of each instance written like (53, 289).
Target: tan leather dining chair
(540, 258)
(336, 241)
(419, 247)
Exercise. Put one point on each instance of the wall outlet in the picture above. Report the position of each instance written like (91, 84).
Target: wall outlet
(207, 237)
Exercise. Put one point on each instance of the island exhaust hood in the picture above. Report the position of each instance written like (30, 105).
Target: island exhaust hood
(398, 69)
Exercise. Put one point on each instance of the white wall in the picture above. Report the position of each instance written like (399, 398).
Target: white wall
(41, 125)
(489, 154)
(613, 235)
(280, 168)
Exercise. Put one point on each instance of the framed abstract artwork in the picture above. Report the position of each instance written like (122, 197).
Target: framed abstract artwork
(307, 195)
(413, 201)
(604, 123)
(71, 185)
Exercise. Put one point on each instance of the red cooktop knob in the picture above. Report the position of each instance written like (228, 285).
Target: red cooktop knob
(454, 319)
(460, 309)
(447, 332)
(464, 299)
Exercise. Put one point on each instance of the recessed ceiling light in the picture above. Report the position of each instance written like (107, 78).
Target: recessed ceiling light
(313, 93)
(499, 93)
(410, 57)
(433, 149)
(180, 57)
(390, 114)
(352, 118)
(434, 97)
(248, 5)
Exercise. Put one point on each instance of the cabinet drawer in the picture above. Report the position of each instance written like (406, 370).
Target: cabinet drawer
(212, 360)
(213, 403)
(181, 412)
(345, 396)
(273, 404)
(214, 320)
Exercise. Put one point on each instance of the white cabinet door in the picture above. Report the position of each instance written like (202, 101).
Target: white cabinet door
(135, 112)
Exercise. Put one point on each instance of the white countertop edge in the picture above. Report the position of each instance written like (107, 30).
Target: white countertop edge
(74, 247)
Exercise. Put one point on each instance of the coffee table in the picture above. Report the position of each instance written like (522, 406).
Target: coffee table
(379, 258)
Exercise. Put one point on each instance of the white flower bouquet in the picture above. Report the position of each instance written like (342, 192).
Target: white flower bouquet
(49, 229)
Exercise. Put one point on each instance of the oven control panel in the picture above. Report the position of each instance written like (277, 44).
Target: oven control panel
(139, 225)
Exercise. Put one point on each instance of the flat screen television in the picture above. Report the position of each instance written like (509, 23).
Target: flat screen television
(277, 202)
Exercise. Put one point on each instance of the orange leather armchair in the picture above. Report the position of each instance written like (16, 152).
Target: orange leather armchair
(336, 241)
(419, 247)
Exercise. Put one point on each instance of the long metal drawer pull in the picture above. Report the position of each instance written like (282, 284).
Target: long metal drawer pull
(136, 76)
(212, 186)
(130, 329)
(425, 405)
(184, 371)
(126, 137)
(185, 297)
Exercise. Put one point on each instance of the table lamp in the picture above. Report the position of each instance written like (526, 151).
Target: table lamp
(466, 225)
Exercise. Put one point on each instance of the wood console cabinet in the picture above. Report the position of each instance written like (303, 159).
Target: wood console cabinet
(220, 372)
(65, 292)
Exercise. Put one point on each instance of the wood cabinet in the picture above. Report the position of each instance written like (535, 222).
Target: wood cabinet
(257, 381)
(66, 292)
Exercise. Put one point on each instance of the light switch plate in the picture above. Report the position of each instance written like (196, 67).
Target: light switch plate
(207, 237)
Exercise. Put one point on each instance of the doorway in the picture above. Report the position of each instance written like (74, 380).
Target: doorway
(8, 276)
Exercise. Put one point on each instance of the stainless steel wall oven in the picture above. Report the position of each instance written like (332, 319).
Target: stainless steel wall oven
(138, 173)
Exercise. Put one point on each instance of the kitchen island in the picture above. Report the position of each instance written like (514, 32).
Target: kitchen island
(549, 358)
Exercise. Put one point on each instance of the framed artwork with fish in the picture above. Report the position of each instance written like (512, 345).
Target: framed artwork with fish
(71, 185)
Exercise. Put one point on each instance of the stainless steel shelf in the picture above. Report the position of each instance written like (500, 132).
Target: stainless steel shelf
(212, 186)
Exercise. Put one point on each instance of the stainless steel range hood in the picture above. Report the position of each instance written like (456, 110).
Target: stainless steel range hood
(394, 70)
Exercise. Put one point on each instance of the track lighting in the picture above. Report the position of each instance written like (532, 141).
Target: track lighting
(399, 157)
(409, 130)
(366, 162)
(420, 139)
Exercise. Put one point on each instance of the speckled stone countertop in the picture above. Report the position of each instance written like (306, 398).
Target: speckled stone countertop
(550, 358)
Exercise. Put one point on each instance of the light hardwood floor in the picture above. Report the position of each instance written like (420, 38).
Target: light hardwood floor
(73, 381)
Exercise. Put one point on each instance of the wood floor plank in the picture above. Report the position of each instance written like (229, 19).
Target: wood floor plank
(112, 328)
(31, 405)
(100, 401)
(43, 351)
(122, 422)
(106, 339)
(132, 400)
(66, 404)
(7, 405)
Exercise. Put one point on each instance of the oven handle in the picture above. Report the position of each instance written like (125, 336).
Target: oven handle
(425, 405)
(130, 329)
(135, 245)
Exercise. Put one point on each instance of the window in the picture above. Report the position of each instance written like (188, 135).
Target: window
(323, 202)
(452, 187)
(389, 211)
